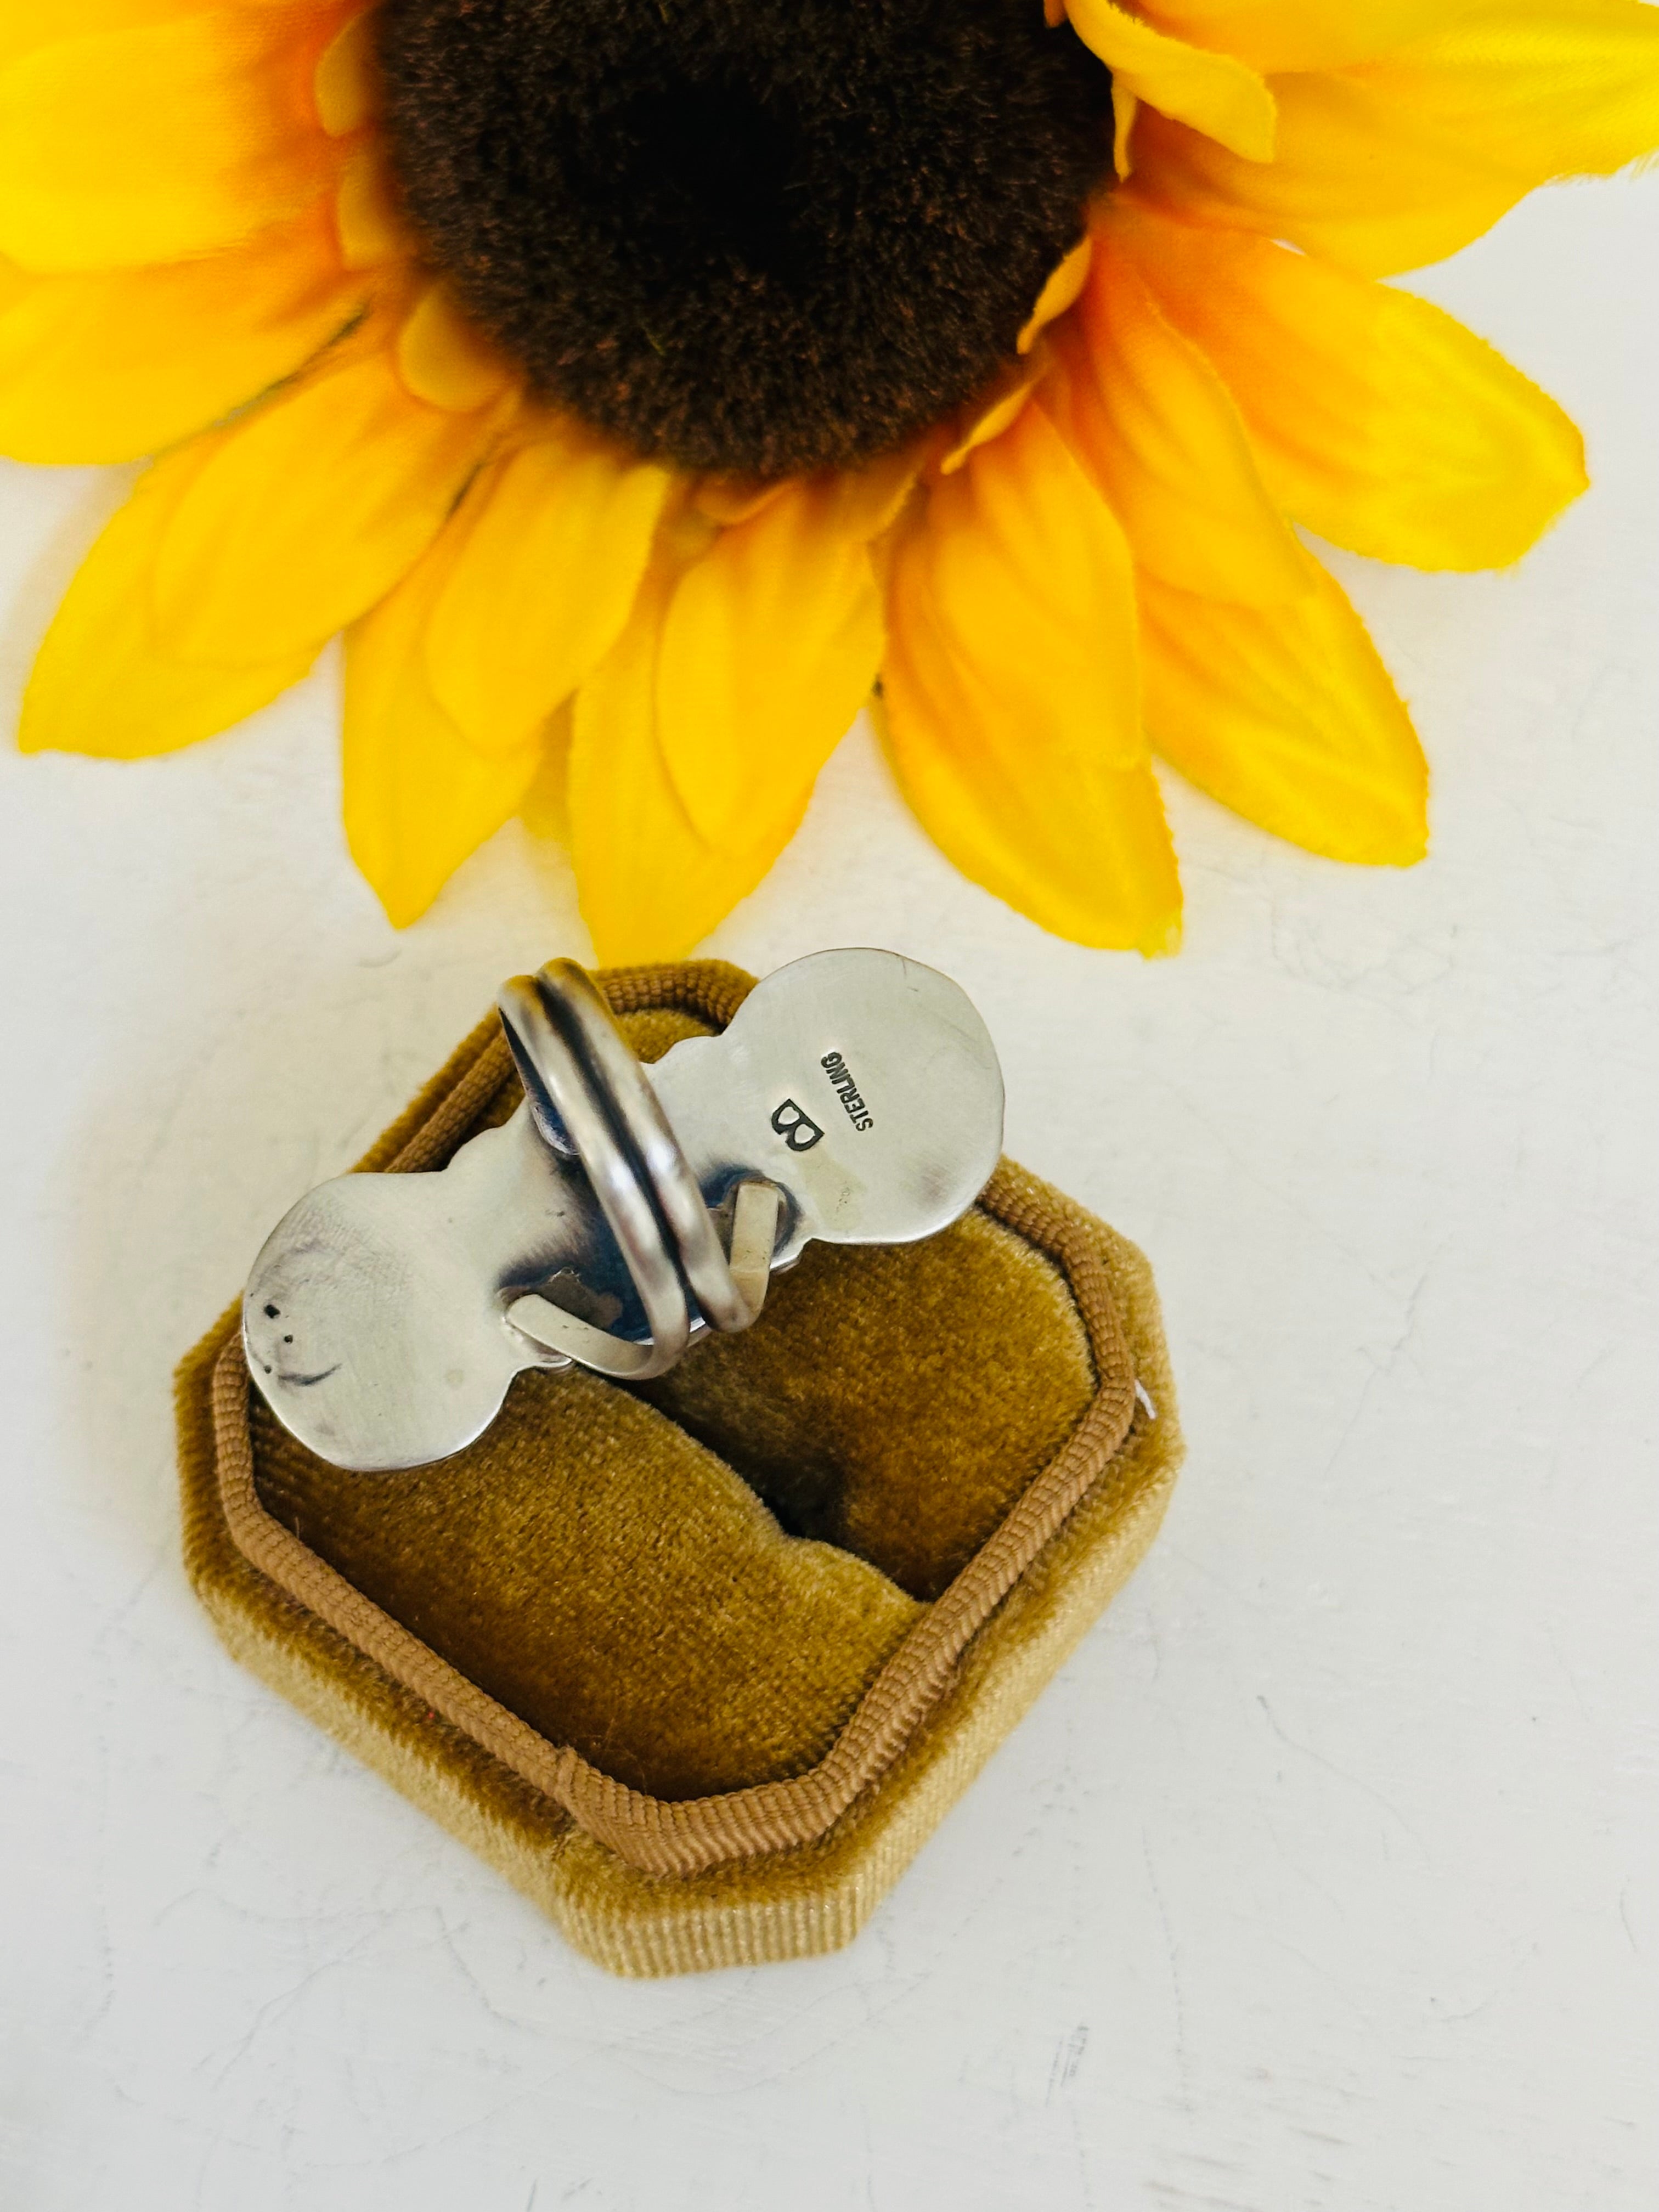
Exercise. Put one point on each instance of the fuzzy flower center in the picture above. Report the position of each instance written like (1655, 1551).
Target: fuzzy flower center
(759, 235)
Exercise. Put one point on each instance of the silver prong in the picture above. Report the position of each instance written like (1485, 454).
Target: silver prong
(756, 1212)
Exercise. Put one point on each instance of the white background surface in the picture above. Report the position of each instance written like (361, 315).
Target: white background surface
(1321, 1882)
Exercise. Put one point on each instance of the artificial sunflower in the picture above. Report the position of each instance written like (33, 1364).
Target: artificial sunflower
(640, 383)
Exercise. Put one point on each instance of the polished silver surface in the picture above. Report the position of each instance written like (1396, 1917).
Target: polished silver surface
(863, 1083)
(570, 996)
(554, 1071)
(855, 1097)
(372, 1318)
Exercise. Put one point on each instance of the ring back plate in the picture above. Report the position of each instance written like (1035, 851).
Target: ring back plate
(864, 1084)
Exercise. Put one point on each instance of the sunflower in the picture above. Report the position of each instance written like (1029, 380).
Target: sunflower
(643, 386)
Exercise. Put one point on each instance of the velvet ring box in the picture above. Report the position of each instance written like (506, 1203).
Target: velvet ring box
(698, 1666)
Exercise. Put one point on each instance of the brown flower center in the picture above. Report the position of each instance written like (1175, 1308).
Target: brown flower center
(759, 235)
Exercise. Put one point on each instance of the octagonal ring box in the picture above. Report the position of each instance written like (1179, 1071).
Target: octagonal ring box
(699, 1665)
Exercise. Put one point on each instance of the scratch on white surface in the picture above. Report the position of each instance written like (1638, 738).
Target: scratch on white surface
(1167, 2192)
(1067, 2059)
(1353, 1781)
(1174, 1965)
(221, 2064)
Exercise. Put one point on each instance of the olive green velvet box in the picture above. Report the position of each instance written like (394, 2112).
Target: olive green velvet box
(699, 1666)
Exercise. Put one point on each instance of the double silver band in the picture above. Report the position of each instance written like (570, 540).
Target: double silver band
(586, 1086)
(628, 1092)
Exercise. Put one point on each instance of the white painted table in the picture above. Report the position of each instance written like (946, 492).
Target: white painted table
(1319, 1883)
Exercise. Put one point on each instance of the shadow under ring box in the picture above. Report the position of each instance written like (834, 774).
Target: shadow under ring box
(698, 1666)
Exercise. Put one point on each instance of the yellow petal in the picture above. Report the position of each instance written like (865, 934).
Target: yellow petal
(769, 647)
(156, 142)
(1125, 108)
(1377, 419)
(1152, 422)
(1287, 715)
(309, 512)
(1021, 570)
(1084, 852)
(1012, 695)
(106, 368)
(544, 585)
(25, 25)
(417, 798)
(366, 217)
(1272, 35)
(15, 285)
(1062, 289)
(650, 888)
(545, 809)
(102, 682)
(1214, 93)
(346, 84)
(1397, 162)
(1542, 87)
(725, 498)
(995, 412)
(443, 360)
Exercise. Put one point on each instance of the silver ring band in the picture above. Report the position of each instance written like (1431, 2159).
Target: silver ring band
(622, 1082)
(549, 1065)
